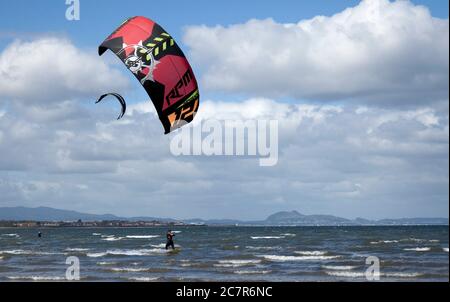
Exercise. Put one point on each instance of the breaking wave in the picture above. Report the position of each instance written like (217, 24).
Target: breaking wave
(311, 253)
(141, 236)
(267, 237)
(418, 249)
(296, 258)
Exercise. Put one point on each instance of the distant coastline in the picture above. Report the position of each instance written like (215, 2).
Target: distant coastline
(48, 217)
(87, 224)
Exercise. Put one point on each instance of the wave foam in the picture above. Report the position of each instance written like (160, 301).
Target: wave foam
(361, 274)
(384, 241)
(403, 275)
(141, 236)
(237, 263)
(251, 272)
(311, 253)
(137, 252)
(267, 237)
(25, 252)
(143, 279)
(418, 249)
(279, 258)
(106, 263)
(76, 249)
(346, 274)
(128, 269)
(11, 235)
(112, 238)
(445, 249)
(262, 247)
(96, 255)
(339, 267)
(37, 278)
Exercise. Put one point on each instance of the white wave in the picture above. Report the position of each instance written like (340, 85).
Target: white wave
(289, 234)
(176, 232)
(36, 278)
(311, 253)
(128, 269)
(15, 252)
(263, 247)
(96, 255)
(1, 257)
(24, 252)
(346, 274)
(96, 234)
(339, 267)
(296, 258)
(161, 245)
(241, 261)
(143, 279)
(267, 237)
(137, 252)
(418, 249)
(384, 241)
(433, 240)
(77, 249)
(141, 236)
(403, 275)
(112, 238)
(413, 239)
(106, 263)
(11, 235)
(251, 272)
(445, 249)
(237, 263)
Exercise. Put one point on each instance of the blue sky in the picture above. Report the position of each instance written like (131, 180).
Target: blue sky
(361, 98)
(98, 18)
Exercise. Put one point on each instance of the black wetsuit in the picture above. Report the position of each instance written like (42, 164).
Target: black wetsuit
(170, 240)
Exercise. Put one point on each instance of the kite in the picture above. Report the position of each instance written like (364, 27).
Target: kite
(157, 61)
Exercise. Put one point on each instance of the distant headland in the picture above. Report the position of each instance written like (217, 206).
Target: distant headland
(50, 217)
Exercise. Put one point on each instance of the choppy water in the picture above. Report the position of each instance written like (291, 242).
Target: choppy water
(413, 253)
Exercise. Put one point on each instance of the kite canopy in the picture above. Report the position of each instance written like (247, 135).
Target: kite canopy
(154, 57)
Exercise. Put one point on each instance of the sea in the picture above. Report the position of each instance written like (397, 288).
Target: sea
(232, 253)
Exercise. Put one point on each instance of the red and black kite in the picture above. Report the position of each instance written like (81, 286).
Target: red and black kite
(156, 60)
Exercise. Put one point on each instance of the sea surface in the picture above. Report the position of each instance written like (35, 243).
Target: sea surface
(406, 253)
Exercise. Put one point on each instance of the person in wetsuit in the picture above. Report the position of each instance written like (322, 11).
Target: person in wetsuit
(39, 234)
(170, 236)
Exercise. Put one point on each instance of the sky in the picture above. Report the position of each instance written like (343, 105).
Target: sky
(359, 89)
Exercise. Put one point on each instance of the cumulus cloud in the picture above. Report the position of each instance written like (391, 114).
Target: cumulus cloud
(53, 69)
(347, 160)
(380, 52)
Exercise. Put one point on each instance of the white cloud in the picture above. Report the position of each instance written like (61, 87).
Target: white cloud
(381, 52)
(329, 163)
(51, 70)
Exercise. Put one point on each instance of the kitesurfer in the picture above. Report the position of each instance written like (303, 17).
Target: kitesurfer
(170, 236)
(39, 234)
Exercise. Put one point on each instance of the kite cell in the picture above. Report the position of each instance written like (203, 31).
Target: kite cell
(154, 57)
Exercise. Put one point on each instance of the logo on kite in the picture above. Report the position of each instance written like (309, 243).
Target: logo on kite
(156, 60)
(139, 59)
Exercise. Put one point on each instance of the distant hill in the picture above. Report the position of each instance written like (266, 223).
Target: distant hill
(294, 218)
(51, 214)
(284, 218)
